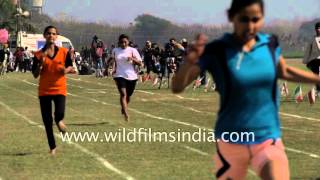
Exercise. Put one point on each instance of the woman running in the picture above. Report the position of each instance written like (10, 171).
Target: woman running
(125, 75)
(52, 63)
(245, 65)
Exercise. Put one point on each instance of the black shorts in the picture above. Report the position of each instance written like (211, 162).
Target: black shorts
(129, 85)
(314, 66)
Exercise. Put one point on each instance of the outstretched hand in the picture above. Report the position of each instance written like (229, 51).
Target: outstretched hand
(197, 48)
(70, 70)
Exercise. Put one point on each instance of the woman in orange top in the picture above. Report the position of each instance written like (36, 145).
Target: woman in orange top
(52, 63)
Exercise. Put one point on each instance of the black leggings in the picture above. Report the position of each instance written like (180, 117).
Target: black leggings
(46, 112)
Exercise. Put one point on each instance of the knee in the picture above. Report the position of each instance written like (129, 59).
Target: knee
(123, 96)
(58, 116)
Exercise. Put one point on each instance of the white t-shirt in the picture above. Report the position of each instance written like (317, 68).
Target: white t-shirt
(124, 68)
(313, 51)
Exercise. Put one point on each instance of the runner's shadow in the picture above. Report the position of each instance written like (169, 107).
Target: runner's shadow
(18, 154)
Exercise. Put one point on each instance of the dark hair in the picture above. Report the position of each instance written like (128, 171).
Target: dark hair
(123, 36)
(317, 25)
(49, 27)
(172, 39)
(238, 5)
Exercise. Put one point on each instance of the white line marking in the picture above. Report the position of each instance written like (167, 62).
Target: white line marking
(303, 152)
(89, 89)
(192, 125)
(97, 92)
(72, 95)
(299, 117)
(68, 84)
(197, 151)
(192, 99)
(94, 100)
(175, 105)
(170, 120)
(151, 93)
(81, 148)
(198, 111)
(22, 92)
(203, 153)
(281, 113)
(144, 100)
(196, 126)
(146, 92)
(143, 113)
(33, 84)
(187, 147)
(297, 130)
(74, 79)
(194, 110)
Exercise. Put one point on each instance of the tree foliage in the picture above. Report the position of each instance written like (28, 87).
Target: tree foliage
(7, 19)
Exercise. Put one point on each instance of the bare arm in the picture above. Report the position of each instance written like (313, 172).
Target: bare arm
(136, 61)
(36, 67)
(293, 74)
(179, 46)
(36, 71)
(189, 71)
(68, 68)
(135, 58)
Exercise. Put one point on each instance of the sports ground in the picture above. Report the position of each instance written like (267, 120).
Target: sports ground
(93, 106)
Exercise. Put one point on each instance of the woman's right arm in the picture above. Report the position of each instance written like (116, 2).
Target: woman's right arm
(36, 67)
(293, 74)
(190, 70)
(187, 73)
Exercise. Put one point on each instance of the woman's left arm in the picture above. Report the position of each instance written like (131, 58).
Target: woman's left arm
(293, 74)
(68, 69)
(136, 59)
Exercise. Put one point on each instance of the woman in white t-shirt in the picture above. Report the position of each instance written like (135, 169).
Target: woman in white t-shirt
(125, 75)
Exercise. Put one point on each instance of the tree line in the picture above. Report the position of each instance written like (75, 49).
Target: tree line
(293, 37)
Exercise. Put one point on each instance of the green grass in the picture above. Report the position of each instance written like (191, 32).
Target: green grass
(293, 54)
(24, 149)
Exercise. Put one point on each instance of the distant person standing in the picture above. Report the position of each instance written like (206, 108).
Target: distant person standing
(97, 49)
(148, 59)
(26, 59)
(4, 58)
(19, 53)
(52, 63)
(312, 54)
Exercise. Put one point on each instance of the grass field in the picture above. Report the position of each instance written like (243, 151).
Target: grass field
(93, 106)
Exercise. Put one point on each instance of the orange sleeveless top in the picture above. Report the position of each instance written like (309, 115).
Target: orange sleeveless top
(52, 82)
